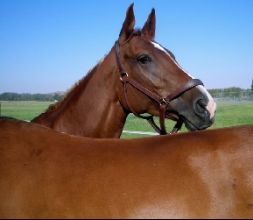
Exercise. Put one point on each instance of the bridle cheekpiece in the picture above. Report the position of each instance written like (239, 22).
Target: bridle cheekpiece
(163, 102)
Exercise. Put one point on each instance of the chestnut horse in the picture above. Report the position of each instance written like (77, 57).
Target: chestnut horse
(138, 75)
(47, 174)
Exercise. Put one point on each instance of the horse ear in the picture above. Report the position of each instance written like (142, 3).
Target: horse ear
(150, 25)
(128, 25)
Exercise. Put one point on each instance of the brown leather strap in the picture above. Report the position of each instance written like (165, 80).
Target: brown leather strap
(189, 85)
(162, 116)
(130, 107)
(142, 89)
(177, 126)
(151, 121)
(162, 102)
(162, 105)
(120, 67)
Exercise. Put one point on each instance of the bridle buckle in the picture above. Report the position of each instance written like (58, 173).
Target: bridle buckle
(163, 101)
(123, 75)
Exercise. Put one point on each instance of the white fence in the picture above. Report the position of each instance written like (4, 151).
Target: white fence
(233, 96)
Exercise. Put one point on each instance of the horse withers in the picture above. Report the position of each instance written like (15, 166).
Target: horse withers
(138, 75)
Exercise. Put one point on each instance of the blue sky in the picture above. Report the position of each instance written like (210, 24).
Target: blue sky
(48, 45)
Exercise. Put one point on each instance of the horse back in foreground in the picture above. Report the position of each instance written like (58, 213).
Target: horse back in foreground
(46, 174)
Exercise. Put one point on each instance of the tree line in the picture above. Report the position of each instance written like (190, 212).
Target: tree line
(9, 96)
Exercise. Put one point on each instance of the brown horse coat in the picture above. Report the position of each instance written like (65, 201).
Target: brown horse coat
(46, 174)
(99, 104)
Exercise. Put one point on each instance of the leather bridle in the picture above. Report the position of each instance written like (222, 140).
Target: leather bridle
(163, 102)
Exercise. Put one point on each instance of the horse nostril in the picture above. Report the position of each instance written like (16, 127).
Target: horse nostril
(200, 106)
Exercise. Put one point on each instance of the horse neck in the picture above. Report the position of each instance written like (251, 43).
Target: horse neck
(91, 108)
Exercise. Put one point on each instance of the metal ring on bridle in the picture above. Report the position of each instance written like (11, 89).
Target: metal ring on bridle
(163, 101)
(122, 75)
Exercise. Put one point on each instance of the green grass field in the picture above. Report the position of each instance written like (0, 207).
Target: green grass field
(24, 110)
(228, 114)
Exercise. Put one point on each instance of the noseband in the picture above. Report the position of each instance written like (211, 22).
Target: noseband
(163, 102)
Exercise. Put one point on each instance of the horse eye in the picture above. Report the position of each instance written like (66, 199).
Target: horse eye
(144, 59)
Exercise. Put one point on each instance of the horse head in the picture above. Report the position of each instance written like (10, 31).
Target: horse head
(151, 77)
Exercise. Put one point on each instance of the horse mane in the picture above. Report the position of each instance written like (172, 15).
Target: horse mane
(71, 95)
(73, 91)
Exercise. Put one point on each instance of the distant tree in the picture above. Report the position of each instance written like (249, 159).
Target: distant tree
(57, 96)
(9, 96)
(252, 85)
